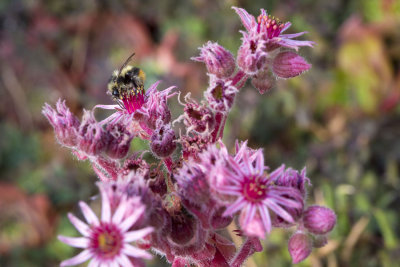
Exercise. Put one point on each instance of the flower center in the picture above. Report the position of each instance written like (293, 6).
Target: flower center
(270, 25)
(218, 92)
(255, 189)
(106, 241)
(133, 99)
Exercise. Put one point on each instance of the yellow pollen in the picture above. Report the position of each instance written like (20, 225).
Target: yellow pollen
(102, 241)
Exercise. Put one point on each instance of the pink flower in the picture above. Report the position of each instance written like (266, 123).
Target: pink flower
(107, 241)
(149, 109)
(270, 29)
(260, 52)
(255, 196)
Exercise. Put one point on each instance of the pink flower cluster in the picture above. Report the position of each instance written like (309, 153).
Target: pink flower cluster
(180, 207)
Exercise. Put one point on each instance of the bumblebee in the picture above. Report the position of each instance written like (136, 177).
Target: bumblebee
(126, 82)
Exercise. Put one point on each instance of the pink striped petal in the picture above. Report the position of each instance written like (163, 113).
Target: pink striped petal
(138, 234)
(131, 219)
(82, 227)
(230, 190)
(287, 26)
(81, 257)
(136, 252)
(265, 217)
(90, 217)
(77, 242)
(124, 261)
(237, 205)
(276, 173)
(248, 214)
(279, 210)
(105, 206)
(120, 212)
(247, 19)
(94, 263)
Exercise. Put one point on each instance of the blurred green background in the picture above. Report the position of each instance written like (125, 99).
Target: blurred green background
(341, 119)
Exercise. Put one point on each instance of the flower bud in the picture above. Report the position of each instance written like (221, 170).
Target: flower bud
(319, 220)
(220, 95)
(263, 81)
(193, 145)
(163, 141)
(197, 117)
(91, 139)
(119, 140)
(136, 165)
(65, 124)
(289, 64)
(218, 60)
(251, 56)
(320, 241)
(300, 246)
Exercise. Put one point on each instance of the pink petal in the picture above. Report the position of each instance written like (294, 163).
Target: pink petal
(276, 173)
(266, 218)
(90, 217)
(120, 212)
(135, 252)
(138, 234)
(77, 242)
(279, 210)
(247, 19)
(82, 227)
(94, 263)
(237, 205)
(124, 261)
(248, 214)
(286, 201)
(289, 64)
(81, 257)
(292, 35)
(131, 219)
(230, 190)
(105, 206)
(287, 26)
(295, 44)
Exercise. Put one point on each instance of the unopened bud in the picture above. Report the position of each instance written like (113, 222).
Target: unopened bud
(198, 117)
(319, 220)
(289, 64)
(163, 141)
(300, 246)
(263, 81)
(251, 56)
(91, 135)
(218, 60)
(119, 140)
(220, 95)
(65, 123)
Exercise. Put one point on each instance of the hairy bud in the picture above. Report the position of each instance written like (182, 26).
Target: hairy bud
(65, 124)
(289, 64)
(218, 60)
(163, 141)
(319, 220)
(91, 139)
(300, 246)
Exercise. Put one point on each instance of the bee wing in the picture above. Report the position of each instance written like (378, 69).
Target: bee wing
(126, 63)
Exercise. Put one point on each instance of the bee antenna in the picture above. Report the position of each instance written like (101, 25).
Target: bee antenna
(126, 63)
